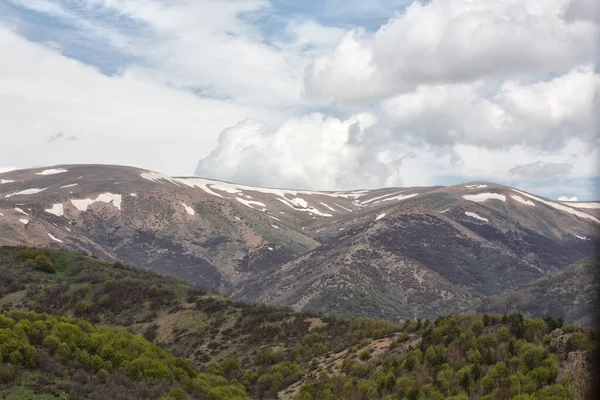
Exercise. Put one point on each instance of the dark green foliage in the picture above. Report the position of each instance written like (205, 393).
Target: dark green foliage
(456, 359)
(257, 351)
(44, 264)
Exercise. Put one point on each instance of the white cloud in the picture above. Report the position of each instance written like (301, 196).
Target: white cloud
(311, 151)
(326, 153)
(542, 114)
(208, 45)
(493, 89)
(119, 119)
(453, 41)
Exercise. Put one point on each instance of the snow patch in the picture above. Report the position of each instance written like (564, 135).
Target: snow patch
(6, 181)
(156, 177)
(380, 197)
(188, 209)
(299, 202)
(199, 183)
(275, 218)
(26, 192)
(581, 237)
(1, 215)
(83, 204)
(57, 209)
(355, 194)
(208, 185)
(475, 186)
(342, 207)
(479, 197)
(560, 207)
(522, 200)
(133, 194)
(584, 205)
(52, 171)
(443, 211)
(67, 228)
(24, 221)
(251, 204)
(275, 226)
(380, 216)
(476, 216)
(17, 209)
(330, 208)
(399, 197)
(227, 189)
(68, 186)
(55, 239)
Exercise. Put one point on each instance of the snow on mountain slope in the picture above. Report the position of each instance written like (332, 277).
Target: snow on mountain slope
(392, 252)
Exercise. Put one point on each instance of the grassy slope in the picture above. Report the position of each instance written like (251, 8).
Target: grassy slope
(301, 355)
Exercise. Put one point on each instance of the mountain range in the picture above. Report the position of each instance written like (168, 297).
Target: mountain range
(392, 253)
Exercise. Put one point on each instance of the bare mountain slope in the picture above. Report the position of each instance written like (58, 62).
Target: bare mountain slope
(210, 233)
(430, 254)
(393, 252)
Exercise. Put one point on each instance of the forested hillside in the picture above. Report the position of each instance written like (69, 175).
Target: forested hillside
(77, 327)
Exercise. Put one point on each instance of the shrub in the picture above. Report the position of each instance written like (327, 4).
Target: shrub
(365, 354)
(7, 372)
(44, 264)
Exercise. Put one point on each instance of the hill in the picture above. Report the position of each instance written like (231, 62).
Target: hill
(241, 350)
(391, 253)
(572, 293)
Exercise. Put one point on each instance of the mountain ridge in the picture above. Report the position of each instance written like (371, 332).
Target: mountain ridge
(391, 253)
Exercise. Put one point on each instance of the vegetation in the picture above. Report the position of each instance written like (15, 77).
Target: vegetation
(63, 355)
(162, 338)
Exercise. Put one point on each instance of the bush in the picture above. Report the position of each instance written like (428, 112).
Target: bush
(44, 264)
(365, 354)
(7, 373)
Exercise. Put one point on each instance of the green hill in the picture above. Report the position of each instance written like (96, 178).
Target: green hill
(77, 327)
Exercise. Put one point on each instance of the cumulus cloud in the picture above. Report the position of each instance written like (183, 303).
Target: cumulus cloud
(318, 152)
(542, 170)
(539, 114)
(447, 41)
(444, 91)
(310, 151)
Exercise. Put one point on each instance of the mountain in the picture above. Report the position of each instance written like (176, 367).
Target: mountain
(572, 293)
(390, 253)
(69, 327)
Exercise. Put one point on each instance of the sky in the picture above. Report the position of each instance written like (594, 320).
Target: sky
(324, 95)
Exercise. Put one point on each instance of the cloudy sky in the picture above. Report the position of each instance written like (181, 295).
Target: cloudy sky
(320, 94)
